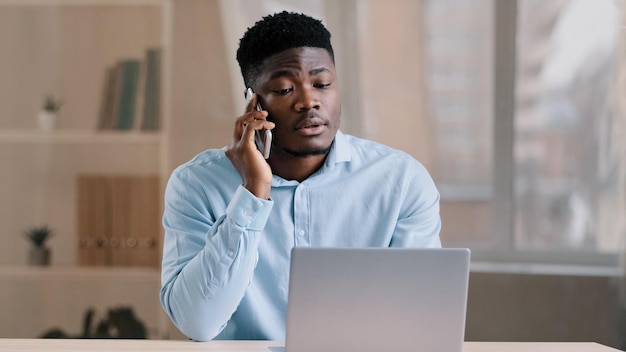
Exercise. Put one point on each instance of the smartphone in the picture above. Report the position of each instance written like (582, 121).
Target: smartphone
(262, 138)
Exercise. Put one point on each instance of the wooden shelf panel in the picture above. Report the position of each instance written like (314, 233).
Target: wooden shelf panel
(82, 2)
(78, 137)
(76, 273)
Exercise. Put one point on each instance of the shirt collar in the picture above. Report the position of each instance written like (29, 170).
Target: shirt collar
(340, 151)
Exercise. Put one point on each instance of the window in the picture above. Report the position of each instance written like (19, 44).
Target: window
(545, 178)
(458, 59)
(512, 105)
(569, 161)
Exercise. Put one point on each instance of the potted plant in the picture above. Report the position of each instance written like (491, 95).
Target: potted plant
(48, 116)
(39, 253)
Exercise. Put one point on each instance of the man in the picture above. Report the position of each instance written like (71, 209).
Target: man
(232, 217)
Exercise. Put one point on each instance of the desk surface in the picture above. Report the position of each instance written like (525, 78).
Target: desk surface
(16, 345)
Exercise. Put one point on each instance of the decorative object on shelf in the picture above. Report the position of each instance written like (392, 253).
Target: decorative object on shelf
(119, 323)
(39, 253)
(49, 114)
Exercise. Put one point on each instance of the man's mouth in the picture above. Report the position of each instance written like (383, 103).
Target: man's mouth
(311, 130)
(311, 126)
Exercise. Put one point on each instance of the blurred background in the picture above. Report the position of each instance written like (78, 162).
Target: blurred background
(515, 107)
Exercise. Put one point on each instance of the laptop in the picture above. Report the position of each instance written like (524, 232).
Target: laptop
(377, 299)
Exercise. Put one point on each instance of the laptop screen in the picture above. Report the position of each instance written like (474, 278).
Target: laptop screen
(377, 299)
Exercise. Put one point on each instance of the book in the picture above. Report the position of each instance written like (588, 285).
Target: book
(152, 97)
(140, 101)
(108, 104)
(93, 216)
(145, 220)
(119, 220)
(131, 94)
(129, 79)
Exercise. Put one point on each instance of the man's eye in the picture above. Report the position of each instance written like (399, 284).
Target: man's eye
(321, 85)
(283, 91)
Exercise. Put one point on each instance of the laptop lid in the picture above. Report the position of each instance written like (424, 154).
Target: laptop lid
(377, 299)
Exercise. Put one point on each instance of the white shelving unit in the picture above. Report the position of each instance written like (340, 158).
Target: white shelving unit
(63, 47)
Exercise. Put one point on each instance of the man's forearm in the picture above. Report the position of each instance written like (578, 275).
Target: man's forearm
(204, 295)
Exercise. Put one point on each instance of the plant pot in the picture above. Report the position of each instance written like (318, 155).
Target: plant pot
(39, 256)
(47, 120)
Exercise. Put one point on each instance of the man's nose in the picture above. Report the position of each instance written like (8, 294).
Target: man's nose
(307, 99)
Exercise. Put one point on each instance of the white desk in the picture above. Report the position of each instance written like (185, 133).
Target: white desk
(24, 345)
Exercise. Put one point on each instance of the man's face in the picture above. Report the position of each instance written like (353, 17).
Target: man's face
(298, 89)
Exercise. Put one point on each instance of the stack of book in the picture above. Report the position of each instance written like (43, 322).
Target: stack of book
(131, 94)
(118, 220)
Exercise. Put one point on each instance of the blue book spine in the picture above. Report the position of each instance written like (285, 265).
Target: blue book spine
(151, 112)
(128, 94)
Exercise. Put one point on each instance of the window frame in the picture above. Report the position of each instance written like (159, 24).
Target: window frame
(502, 249)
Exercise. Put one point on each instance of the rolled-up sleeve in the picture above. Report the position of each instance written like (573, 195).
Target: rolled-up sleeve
(208, 258)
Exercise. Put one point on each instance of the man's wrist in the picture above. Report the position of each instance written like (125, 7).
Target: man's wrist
(259, 190)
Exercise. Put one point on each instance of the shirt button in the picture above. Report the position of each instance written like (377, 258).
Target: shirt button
(231, 253)
(301, 232)
(247, 212)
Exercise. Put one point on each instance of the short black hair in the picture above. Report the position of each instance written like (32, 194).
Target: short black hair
(276, 33)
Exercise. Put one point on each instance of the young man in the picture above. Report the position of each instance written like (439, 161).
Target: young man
(231, 216)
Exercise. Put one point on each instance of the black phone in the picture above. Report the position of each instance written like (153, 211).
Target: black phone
(262, 138)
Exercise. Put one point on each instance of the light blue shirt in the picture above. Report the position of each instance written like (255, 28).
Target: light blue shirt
(226, 252)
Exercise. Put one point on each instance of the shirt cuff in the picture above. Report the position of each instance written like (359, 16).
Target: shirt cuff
(249, 211)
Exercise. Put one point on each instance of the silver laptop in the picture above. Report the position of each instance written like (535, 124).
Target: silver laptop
(377, 299)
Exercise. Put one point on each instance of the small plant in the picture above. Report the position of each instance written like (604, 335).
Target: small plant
(51, 104)
(39, 235)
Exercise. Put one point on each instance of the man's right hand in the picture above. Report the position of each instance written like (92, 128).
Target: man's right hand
(244, 155)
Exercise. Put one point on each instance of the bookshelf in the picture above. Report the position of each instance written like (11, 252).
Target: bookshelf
(64, 47)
